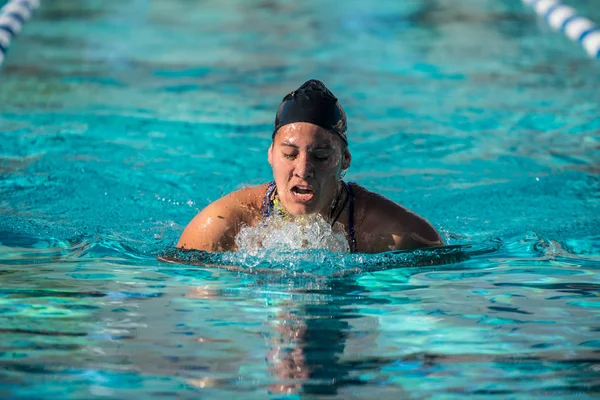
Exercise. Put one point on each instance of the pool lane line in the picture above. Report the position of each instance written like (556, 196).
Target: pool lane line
(565, 18)
(13, 16)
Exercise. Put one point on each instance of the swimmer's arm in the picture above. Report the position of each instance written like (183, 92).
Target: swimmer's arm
(418, 233)
(396, 228)
(213, 229)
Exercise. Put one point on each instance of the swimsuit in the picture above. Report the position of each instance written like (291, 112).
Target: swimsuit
(267, 209)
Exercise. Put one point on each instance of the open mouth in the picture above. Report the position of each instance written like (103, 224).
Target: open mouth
(302, 193)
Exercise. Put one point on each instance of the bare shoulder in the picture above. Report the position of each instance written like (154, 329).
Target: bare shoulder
(215, 227)
(383, 224)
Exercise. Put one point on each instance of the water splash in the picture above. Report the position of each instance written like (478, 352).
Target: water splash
(324, 263)
(280, 234)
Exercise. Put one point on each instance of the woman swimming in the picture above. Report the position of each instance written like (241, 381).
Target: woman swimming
(309, 156)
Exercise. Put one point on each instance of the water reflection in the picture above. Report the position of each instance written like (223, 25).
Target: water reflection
(308, 339)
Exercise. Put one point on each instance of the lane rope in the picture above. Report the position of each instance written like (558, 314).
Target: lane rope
(565, 19)
(13, 16)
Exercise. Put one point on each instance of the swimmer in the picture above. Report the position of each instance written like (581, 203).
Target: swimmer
(309, 157)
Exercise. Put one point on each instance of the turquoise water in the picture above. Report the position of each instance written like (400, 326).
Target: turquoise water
(121, 120)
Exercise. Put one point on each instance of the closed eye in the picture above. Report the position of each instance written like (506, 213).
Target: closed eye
(321, 155)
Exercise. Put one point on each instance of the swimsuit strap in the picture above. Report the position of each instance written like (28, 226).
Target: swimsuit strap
(337, 216)
(353, 248)
(267, 206)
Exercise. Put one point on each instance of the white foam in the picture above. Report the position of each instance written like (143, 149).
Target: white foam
(304, 233)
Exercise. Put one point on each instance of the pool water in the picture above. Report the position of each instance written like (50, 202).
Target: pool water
(121, 120)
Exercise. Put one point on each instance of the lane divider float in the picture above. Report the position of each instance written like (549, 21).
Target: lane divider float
(565, 18)
(12, 17)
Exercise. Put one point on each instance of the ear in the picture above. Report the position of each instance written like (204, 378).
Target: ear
(346, 159)
(270, 154)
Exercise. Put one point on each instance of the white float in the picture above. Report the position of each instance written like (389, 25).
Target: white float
(12, 17)
(565, 18)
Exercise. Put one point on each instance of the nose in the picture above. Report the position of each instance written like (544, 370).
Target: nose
(304, 167)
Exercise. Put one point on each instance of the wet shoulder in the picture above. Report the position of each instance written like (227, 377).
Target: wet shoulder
(245, 202)
(371, 208)
(378, 216)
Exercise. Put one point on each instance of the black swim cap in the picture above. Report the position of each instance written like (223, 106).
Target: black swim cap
(314, 103)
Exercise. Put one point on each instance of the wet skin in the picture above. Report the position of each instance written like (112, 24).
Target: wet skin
(307, 163)
(306, 158)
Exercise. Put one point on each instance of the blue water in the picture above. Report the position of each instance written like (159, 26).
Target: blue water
(121, 120)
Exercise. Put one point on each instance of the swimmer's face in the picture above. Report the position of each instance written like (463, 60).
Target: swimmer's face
(307, 161)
